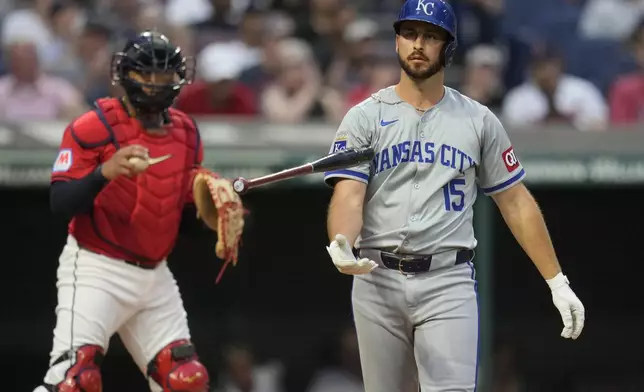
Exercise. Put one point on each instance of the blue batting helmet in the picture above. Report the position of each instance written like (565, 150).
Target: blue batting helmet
(436, 12)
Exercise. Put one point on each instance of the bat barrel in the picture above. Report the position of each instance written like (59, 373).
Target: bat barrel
(343, 159)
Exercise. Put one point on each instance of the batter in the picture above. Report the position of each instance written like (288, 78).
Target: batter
(409, 213)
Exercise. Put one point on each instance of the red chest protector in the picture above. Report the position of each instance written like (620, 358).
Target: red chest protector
(137, 219)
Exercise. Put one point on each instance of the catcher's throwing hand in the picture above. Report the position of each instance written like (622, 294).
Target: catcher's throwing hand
(119, 164)
(345, 261)
(571, 309)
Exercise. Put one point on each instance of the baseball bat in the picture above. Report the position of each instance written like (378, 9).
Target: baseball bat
(338, 160)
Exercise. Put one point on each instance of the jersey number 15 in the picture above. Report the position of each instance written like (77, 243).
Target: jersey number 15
(452, 190)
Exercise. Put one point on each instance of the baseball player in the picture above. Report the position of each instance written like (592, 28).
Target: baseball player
(124, 174)
(409, 215)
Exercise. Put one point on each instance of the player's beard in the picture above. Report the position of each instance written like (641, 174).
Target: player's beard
(420, 74)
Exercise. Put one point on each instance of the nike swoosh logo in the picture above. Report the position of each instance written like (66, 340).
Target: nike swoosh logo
(154, 161)
(385, 123)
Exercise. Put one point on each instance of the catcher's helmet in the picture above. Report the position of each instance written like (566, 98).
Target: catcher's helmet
(151, 53)
(436, 12)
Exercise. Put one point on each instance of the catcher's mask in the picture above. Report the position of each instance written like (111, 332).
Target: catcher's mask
(152, 72)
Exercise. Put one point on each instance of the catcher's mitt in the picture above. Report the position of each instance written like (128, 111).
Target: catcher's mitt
(221, 209)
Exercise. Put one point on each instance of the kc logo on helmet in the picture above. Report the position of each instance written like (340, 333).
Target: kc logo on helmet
(510, 159)
(425, 7)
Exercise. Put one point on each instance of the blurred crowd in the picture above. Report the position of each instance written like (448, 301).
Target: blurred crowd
(337, 370)
(334, 366)
(578, 62)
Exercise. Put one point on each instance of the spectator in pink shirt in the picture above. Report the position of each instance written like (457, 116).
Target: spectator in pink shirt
(627, 94)
(27, 93)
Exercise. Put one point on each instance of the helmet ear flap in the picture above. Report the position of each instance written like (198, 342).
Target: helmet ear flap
(116, 68)
(448, 52)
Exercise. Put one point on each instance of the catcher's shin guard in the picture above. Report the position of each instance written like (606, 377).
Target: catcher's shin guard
(177, 368)
(85, 373)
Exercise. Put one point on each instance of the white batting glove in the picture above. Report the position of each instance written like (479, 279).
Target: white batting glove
(571, 309)
(345, 261)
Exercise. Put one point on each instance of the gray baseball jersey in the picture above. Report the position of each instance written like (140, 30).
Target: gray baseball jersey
(423, 181)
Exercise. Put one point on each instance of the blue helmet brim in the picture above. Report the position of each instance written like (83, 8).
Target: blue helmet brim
(424, 20)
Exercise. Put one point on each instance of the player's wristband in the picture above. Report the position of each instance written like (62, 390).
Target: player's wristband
(558, 281)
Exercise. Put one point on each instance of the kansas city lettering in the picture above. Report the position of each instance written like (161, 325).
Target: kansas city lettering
(421, 152)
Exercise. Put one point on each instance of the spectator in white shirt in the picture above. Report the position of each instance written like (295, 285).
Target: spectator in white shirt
(26, 93)
(552, 96)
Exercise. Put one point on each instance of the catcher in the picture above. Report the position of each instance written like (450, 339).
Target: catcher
(123, 175)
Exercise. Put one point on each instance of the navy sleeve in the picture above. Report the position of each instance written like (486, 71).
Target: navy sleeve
(70, 198)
